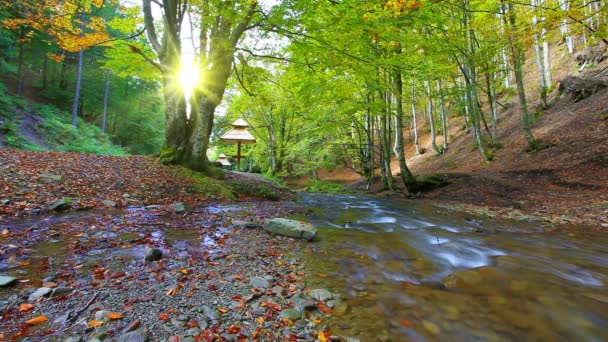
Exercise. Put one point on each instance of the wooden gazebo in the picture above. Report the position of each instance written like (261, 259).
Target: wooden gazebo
(240, 135)
(222, 159)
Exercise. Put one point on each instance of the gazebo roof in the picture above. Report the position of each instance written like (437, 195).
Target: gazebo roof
(238, 133)
(240, 123)
(223, 160)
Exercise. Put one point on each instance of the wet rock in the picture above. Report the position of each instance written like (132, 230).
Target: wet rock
(110, 203)
(152, 206)
(6, 280)
(210, 313)
(60, 206)
(228, 337)
(290, 228)
(102, 315)
(72, 339)
(260, 282)
(153, 254)
(179, 207)
(476, 281)
(105, 235)
(43, 291)
(5, 201)
(341, 308)
(302, 303)
(321, 294)
(60, 291)
(133, 336)
(291, 314)
(431, 327)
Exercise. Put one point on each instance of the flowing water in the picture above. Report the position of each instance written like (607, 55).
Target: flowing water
(413, 273)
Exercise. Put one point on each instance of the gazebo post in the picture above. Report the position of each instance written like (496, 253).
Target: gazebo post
(238, 156)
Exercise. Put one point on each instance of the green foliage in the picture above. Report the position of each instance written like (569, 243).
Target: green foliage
(325, 187)
(205, 185)
(428, 182)
(257, 189)
(537, 146)
(53, 126)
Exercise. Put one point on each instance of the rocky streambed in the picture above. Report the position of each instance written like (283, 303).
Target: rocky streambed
(214, 275)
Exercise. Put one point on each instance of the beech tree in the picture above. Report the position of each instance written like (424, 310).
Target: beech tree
(220, 26)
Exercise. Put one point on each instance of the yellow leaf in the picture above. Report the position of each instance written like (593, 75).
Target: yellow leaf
(260, 320)
(114, 315)
(93, 323)
(5, 232)
(322, 337)
(222, 310)
(37, 320)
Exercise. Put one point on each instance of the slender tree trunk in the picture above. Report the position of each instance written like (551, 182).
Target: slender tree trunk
(20, 67)
(493, 108)
(369, 130)
(105, 102)
(517, 51)
(45, 72)
(547, 59)
(470, 76)
(444, 119)
(431, 117)
(414, 119)
(406, 175)
(78, 77)
(538, 52)
(63, 83)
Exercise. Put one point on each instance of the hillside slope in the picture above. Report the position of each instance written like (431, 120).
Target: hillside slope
(567, 181)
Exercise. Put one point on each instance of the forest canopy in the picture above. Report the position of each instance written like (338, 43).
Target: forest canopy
(321, 83)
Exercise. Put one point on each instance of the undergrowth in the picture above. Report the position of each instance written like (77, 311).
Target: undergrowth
(325, 187)
(201, 184)
(54, 127)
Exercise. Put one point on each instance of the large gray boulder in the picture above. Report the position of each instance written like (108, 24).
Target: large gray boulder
(290, 228)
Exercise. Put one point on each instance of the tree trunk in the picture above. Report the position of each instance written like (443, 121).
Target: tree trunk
(431, 117)
(204, 101)
(414, 119)
(78, 77)
(517, 51)
(105, 102)
(444, 119)
(20, 67)
(406, 175)
(45, 72)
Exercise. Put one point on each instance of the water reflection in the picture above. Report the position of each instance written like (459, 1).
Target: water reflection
(412, 273)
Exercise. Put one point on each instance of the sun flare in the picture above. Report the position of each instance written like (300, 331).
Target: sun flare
(188, 77)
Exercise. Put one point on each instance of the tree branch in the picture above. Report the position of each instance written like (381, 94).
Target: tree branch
(149, 26)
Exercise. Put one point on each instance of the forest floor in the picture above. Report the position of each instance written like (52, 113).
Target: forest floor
(82, 272)
(566, 182)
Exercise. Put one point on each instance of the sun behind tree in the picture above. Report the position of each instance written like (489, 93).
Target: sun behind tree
(188, 78)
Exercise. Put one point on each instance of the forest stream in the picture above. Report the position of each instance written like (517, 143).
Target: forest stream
(398, 271)
(409, 272)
